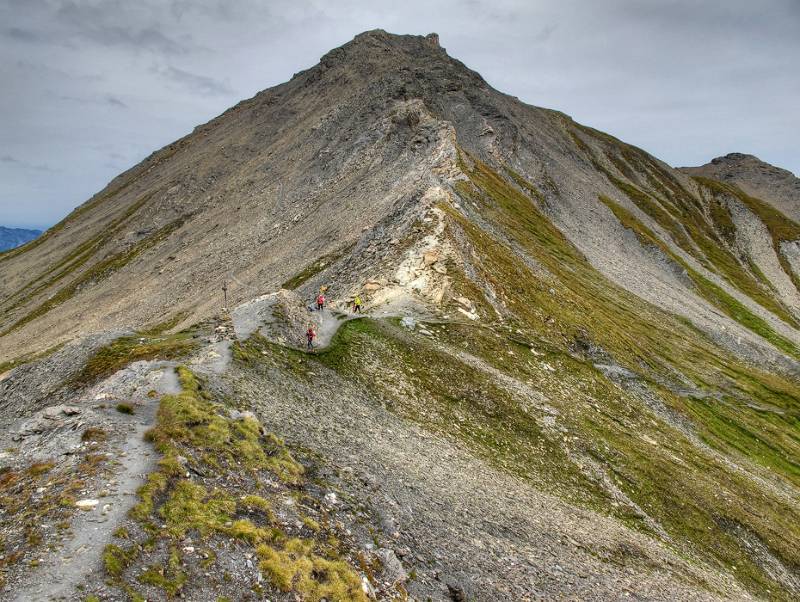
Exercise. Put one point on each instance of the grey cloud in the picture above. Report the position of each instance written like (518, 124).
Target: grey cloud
(197, 83)
(685, 80)
(112, 23)
(115, 102)
(148, 38)
(22, 35)
(20, 164)
(545, 33)
(107, 100)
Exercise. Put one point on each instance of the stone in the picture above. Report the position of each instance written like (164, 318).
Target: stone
(393, 570)
(408, 323)
(464, 302)
(469, 314)
(87, 504)
(430, 257)
(53, 412)
(245, 415)
(456, 592)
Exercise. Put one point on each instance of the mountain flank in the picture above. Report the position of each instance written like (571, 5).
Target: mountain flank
(575, 375)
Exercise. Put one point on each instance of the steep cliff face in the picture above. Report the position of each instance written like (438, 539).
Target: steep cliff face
(563, 336)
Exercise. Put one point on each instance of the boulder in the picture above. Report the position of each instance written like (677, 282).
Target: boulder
(393, 571)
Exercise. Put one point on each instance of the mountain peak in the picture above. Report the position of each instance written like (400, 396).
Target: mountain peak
(369, 46)
(381, 35)
(734, 157)
(531, 328)
(758, 178)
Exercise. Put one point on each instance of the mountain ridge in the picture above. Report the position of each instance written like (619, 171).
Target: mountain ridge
(476, 132)
(576, 373)
(778, 186)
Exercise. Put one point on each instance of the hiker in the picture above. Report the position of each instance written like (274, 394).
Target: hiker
(321, 302)
(310, 336)
(357, 305)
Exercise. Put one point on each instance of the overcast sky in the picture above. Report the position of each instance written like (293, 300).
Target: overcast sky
(89, 88)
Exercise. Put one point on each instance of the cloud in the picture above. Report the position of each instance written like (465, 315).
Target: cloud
(22, 35)
(106, 100)
(148, 38)
(115, 102)
(19, 164)
(194, 82)
(83, 79)
(545, 33)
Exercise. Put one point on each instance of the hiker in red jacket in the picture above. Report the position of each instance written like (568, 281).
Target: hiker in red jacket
(321, 302)
(310, 336)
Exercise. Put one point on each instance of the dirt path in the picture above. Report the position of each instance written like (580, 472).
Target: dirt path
(81, 553)
(259, 315)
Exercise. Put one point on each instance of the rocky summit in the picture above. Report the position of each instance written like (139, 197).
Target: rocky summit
(574, 372)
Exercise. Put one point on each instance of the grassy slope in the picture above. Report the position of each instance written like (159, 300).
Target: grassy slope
(692, 493)
(707, 289)
(703, 229)
(240, 475)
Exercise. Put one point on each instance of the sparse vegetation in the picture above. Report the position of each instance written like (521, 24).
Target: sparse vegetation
(36, 497)
(100, 270)
(314, 268)
(703, 231)
(94, 434)
(31, 357)
(128, 349)
(663, 349)
(235, 458)
(710, 291)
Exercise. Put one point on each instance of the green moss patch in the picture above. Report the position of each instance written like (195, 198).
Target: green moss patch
(128, 349)
(314, 268)
(217, 482)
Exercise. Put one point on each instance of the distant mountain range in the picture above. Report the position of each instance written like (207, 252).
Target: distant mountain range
(14, 237)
